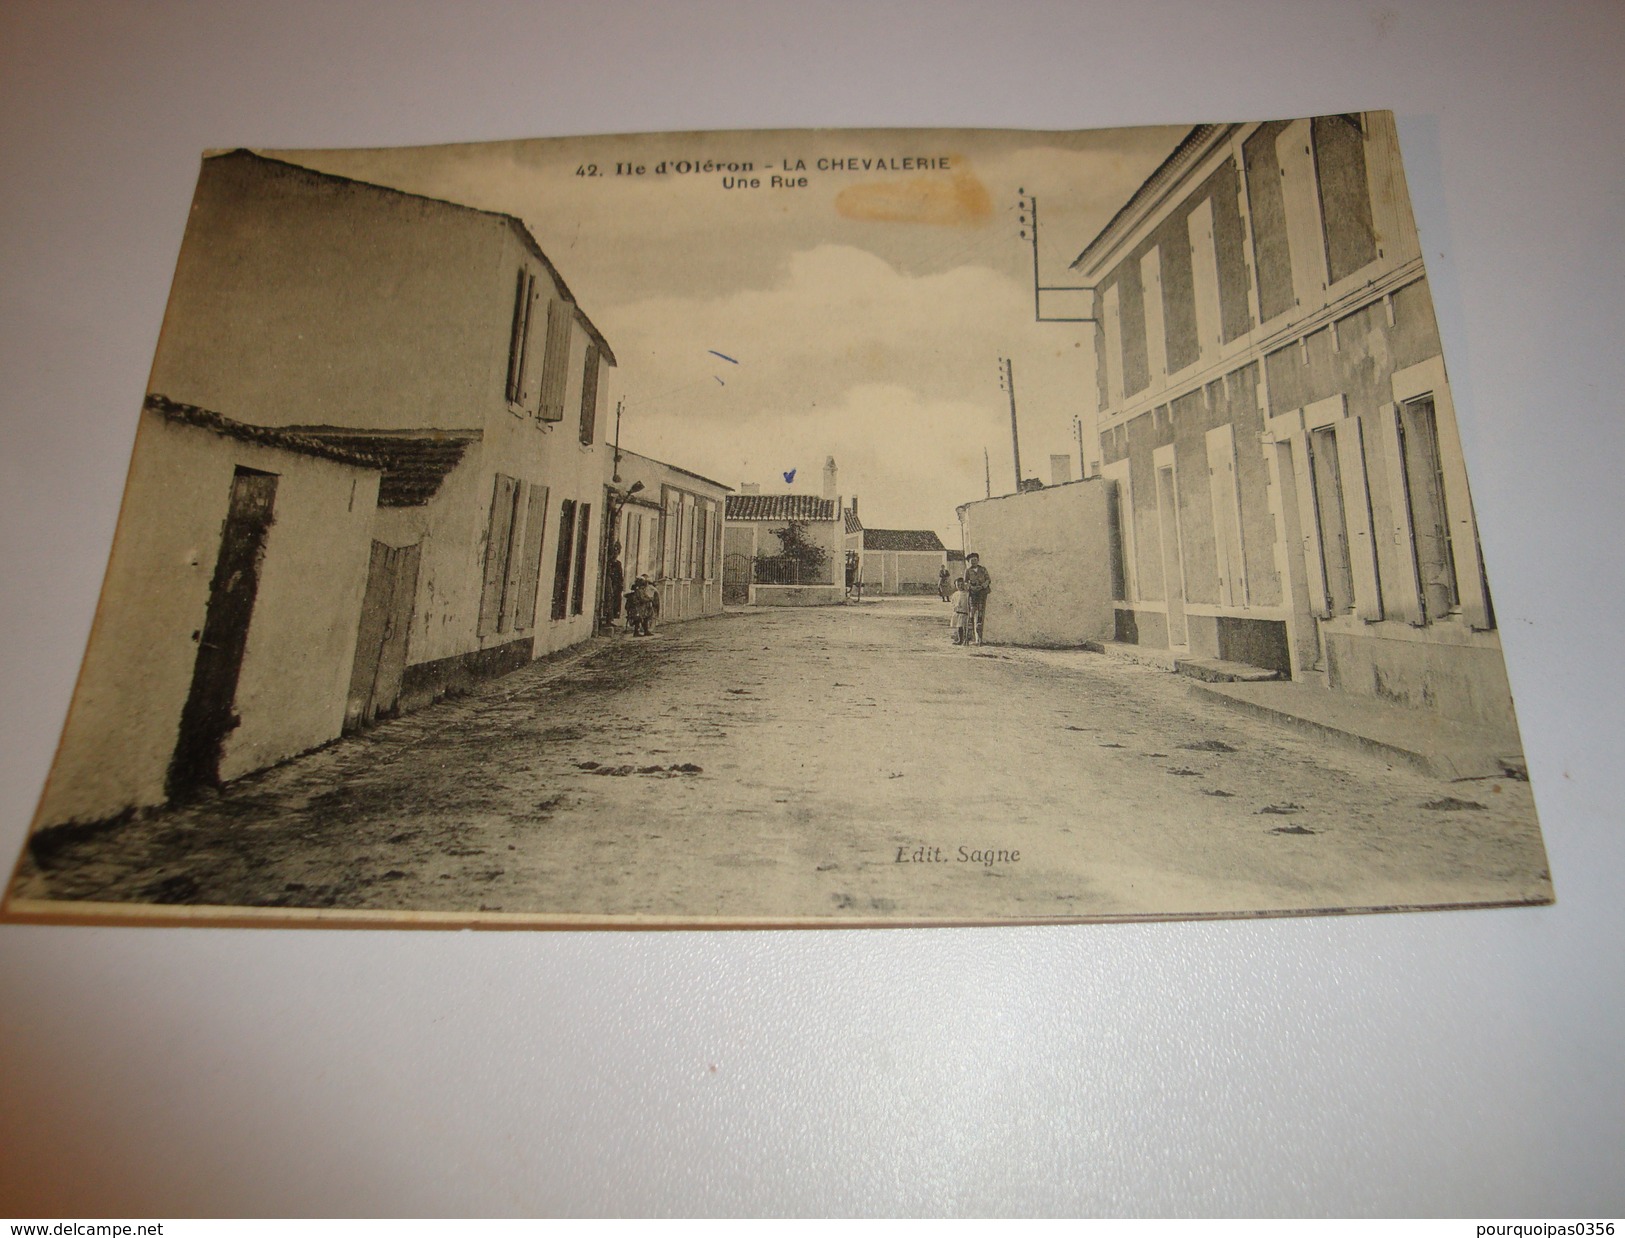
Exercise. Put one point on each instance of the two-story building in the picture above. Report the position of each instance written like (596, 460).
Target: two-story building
(437, 337)
(368, 471)
(1275, 420)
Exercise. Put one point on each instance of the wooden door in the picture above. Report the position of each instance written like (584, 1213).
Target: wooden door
(209, 716)
(381, 638)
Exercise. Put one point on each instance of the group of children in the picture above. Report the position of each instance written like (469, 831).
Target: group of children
(969, 601)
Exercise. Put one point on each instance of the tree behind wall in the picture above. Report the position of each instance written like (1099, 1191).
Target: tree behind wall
(793, 544)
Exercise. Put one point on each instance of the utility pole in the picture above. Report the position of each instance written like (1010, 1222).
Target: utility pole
(615, 473)
(1083, 465)
(987, 473)
(1015, 441)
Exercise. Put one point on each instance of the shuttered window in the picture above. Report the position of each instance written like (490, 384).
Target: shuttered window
(579, 592)
(519, 340)
(555, 361)
(589, 396)
(561, 560)
(1345, 194)
(530, 567)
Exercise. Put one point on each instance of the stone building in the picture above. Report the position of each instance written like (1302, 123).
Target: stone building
(1276, 423)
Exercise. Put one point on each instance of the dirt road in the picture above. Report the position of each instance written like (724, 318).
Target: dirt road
(843, 763)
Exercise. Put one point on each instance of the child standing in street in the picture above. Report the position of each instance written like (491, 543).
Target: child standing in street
(961, 605)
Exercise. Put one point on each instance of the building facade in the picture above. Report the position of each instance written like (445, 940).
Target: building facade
(757, 570)
(893, 561)
(669, 528)
(1275, 421)
(225, 638)
(358, 312)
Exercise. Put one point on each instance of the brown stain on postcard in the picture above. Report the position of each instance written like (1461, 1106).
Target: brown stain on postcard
(957, 201)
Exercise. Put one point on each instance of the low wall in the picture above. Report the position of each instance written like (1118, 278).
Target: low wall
(797, 595)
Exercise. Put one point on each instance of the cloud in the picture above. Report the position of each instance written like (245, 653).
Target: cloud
(910, 459)
(897, 375)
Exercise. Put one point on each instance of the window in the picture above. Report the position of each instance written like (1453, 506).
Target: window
(519, 341)
(1430, 518)
(1112, 330)
(578, 593)
(1204, 278)
(589, 396)
(702, 542)
(1156, 335)
(561, 562)
(555, 361)
(671, 511)
(1114, 538)
(1345, 194)
(1266, 205)
(1226, 501)
(513, 551)
(1331, 520)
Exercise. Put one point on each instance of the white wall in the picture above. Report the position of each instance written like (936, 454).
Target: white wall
(301, 638)
(1450, 1063)
(1047, 554)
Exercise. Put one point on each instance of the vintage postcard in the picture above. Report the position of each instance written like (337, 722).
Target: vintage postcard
(795, 528)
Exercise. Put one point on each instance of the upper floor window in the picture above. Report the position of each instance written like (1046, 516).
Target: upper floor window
(1345, 194)
(589, 396)
(555, 361)
(519, 340)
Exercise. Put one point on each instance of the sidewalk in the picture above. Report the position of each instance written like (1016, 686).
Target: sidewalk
(1438, 747)
(1426, 742)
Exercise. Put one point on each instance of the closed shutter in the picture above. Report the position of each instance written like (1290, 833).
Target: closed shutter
(503, 493)
(1357, 512)
(530, 559)
(556, 361)
(1403, 588)
(589, 396)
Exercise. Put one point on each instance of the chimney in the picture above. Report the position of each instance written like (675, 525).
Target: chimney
(750, 487)
(829, 478)
(854, 507)
(1060, 469)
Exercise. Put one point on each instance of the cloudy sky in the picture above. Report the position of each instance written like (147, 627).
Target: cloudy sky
(861, 316)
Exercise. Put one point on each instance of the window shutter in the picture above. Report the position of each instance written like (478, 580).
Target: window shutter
(555, 361)
(530, 559)
(1357, 512)
(1309, 526)
(589, 396)
(1475, 607)
(496, 553)
(561, 559)
(583, 525)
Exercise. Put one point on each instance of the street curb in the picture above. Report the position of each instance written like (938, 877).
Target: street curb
(1451, 767)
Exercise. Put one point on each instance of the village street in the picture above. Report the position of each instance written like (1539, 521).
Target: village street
(815, 763)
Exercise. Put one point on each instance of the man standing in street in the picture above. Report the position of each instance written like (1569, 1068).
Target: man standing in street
(978, 583)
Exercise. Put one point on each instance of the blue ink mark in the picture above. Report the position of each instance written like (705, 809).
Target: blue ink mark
(790, 476)
(723, 355)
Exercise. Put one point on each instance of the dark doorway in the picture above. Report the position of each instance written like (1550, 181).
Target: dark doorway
(208, 717)
(380, 646)
(736, 572)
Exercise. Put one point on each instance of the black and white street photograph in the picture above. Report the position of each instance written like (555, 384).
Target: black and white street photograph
(781, 528)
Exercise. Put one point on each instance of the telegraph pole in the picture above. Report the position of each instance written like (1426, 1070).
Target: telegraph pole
(987, 473)
(615, 472)
(1015, 440)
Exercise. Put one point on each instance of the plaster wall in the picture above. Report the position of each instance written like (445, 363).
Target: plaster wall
(1048, 555)
(122, 727)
